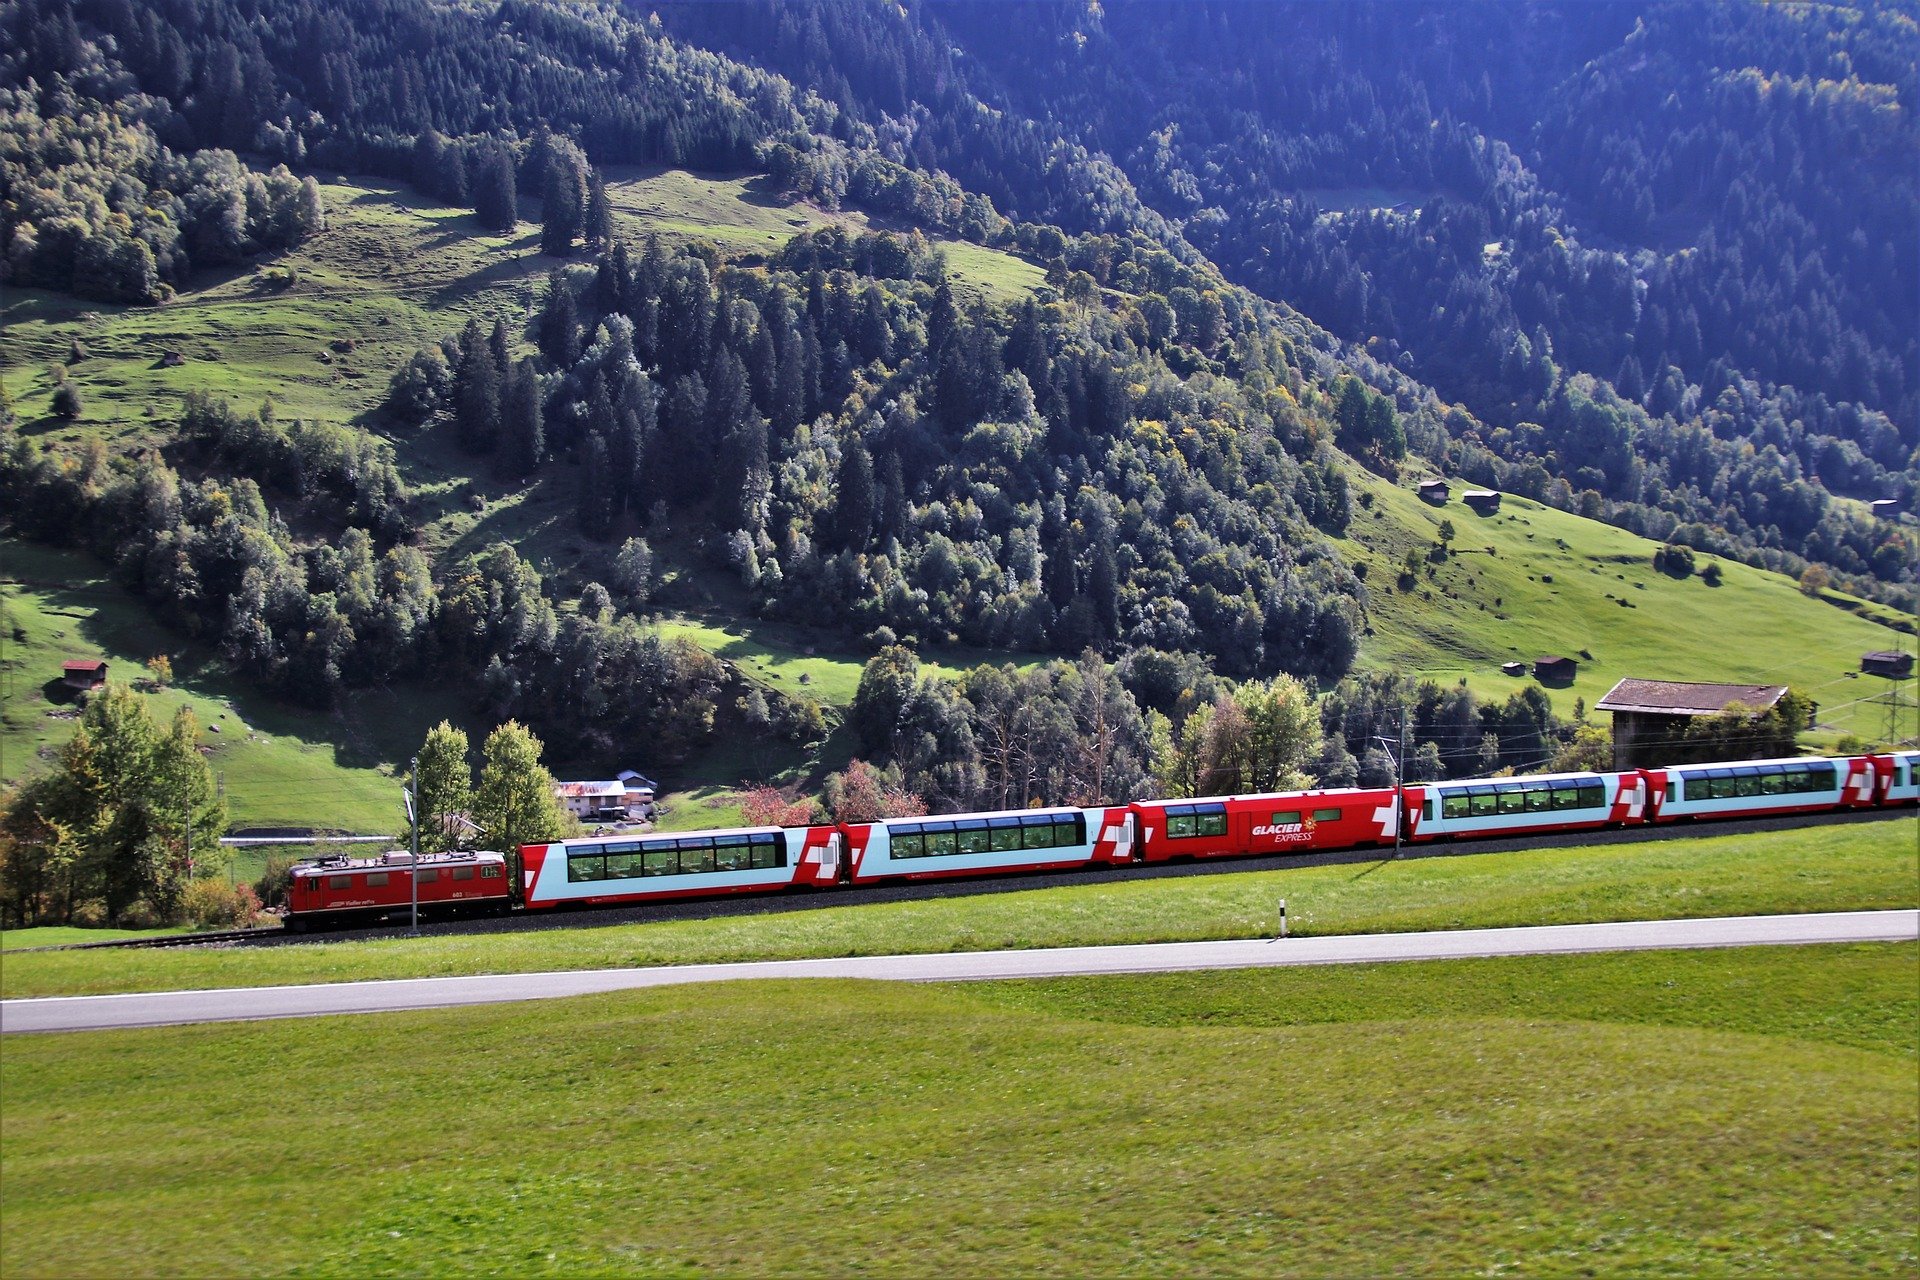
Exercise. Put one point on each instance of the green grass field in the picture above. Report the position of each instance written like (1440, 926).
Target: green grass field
(280, 766)
(1819, 869)
(1531, 580)
(1734, 1112)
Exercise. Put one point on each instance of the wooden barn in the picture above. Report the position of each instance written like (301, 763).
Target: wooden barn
(83, 674)
(1435, 491)
(1649, 714)
(1554, 669)
(1891, 663)
(1483, 501)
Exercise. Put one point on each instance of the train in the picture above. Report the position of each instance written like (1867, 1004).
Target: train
(622, 869)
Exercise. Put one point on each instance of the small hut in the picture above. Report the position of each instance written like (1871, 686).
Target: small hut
(83, 674)
(1885, 508)
(1435, 491)
(1513, 668)
(1483, 501)
(1553, 669)
(1891, 663)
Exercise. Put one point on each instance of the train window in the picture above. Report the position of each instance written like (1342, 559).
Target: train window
(1286, 818)
(375, 879)
(1772, 782)
(1483, 802)
(659, 858)
(1822, 776)
(1721, 782)
(1426, 810)
(1179, 822)
(1321, 815)
(768, 853)
(490, 872)
(1566, 797)
(940, 840)
(1003, 834)
(1746, 782)
(589, 867)
(731, 853)
(696, 855)
(1209, 822)
(1036, 831)
(1453, 804)
(339, 882)
(905, 842)
(463, 873)
(427, 876)
(972, 836)
(1512, 799)
(1593, 795)
(623, 866)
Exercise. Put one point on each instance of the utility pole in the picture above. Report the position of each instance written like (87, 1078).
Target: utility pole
(1397, 753)
(413, 826)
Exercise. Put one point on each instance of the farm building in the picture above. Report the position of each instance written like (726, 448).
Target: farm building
(83, 674)
(591, 799)
(1885, 508)
(1553, 669)
(1435, 491)
(1650, 715)
(1887, 662)
(1483, 501)
(1513, 668)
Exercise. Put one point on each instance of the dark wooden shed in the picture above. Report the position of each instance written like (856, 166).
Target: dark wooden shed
(1484, 501)
(1435, 491)
(1887, 662)
(1553, 669)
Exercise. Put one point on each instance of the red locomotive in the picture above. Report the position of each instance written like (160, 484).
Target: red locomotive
(337, 889)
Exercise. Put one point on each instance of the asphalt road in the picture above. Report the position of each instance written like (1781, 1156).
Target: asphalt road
(86, 1013)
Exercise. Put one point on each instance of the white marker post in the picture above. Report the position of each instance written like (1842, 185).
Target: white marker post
(1283, 917)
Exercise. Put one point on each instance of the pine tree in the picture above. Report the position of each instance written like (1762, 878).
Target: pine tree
(560, 323)
(523, 438)
(599, 224)
(561, 212)
(596, 488)
(853, 509)
(496, 198)
(476, 392)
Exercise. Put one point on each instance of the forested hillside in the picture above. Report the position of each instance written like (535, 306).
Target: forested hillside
(1659, 253)
(1059, 330)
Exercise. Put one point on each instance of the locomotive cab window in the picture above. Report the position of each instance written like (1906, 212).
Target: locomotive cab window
(490, 872)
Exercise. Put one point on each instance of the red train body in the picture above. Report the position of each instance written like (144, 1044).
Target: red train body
(338, 889)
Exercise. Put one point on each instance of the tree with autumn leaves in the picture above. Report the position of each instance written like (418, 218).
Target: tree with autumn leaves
(117, 833)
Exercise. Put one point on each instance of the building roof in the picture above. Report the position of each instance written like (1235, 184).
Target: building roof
(83, 664)
(585, 789)
(1680, 698)
(1887, 655)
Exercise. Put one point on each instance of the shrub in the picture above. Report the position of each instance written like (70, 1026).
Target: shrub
(212, 903)
(276, 881)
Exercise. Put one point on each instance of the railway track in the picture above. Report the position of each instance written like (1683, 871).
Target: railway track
(768, 904)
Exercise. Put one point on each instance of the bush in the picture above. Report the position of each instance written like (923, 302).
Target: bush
(66, 401)
(276, 881)
(214, 904)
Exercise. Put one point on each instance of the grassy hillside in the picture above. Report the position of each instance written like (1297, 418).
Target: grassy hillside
(1669, 1113)
(394, 269)
(1532, 580)
(279, 766)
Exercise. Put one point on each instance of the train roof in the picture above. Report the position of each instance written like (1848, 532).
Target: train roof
(340, 863)
(1313, 793)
